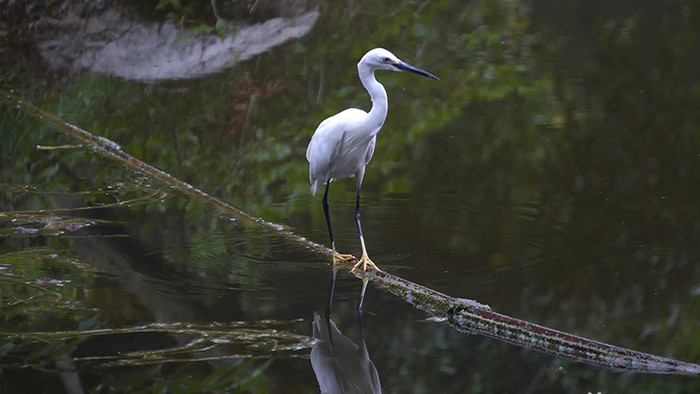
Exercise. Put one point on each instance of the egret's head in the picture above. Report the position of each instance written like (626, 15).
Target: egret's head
(381, 59)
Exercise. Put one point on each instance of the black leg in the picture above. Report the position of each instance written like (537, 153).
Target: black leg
(364, 251)
(357, 211)
(336, 256)
(364, 260)
(328, 216)
(329, 306)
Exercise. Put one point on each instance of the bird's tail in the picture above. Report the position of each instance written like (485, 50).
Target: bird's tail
(314, 185)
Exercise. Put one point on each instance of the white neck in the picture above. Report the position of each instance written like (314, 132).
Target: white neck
(376, 91)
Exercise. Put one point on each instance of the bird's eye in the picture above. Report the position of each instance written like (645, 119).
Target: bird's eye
(386, 60)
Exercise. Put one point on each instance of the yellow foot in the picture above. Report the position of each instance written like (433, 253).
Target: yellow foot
(341, 258)
(364, 262)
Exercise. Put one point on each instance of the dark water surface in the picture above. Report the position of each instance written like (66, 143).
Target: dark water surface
(552, 173)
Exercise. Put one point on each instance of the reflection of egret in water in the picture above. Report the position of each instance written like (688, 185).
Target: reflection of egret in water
(340, 365)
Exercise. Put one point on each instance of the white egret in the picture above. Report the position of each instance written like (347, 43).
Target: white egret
(343, 144)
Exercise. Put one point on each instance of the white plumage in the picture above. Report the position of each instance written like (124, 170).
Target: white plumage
(343, 144)
(335, 155)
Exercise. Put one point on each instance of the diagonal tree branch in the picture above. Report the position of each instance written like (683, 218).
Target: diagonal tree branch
(466, 316)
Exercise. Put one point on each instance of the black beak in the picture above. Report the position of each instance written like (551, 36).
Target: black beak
(407, 67)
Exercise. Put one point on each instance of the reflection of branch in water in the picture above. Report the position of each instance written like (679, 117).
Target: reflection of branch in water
(209, 342)
(26, 282)
(155, 195)
(40, 222)
(39, 280)
(464, 315)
